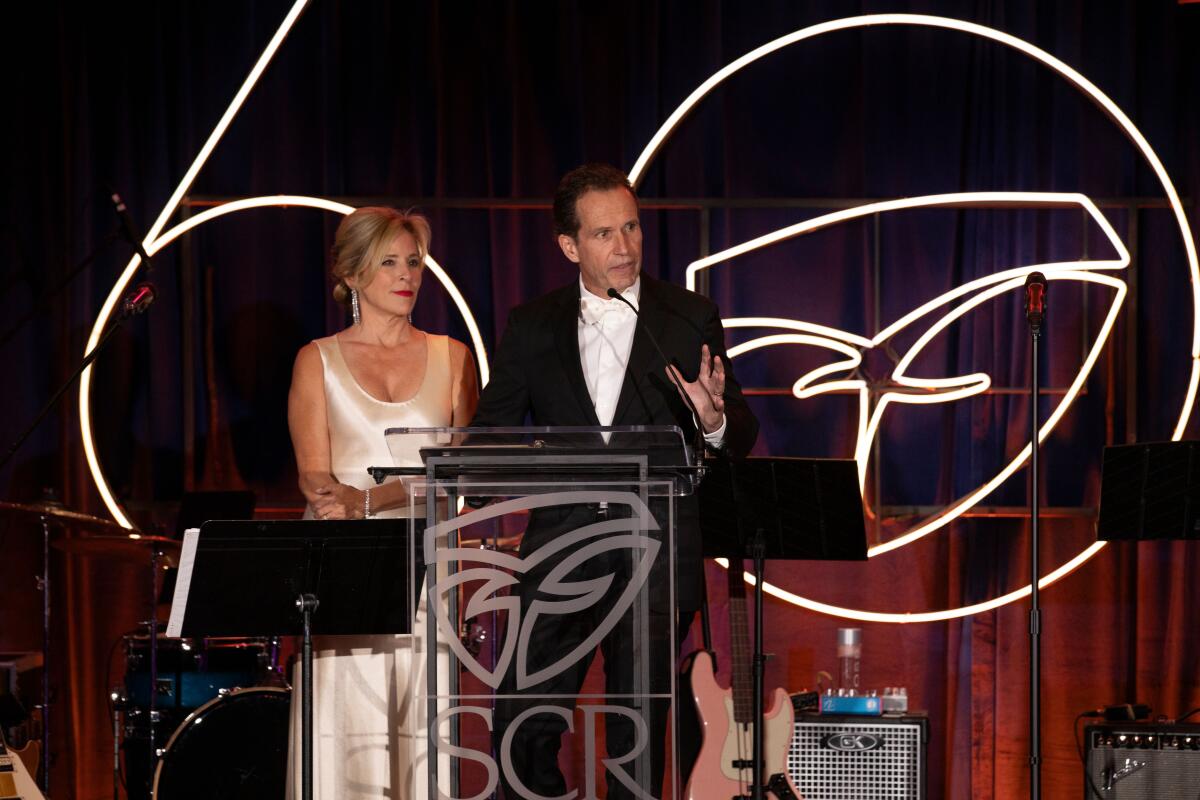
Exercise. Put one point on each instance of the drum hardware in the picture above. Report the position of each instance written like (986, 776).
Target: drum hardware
(238, 753)
(499, 544)
(117, 702)
(473, 636)
(191, 673)
(275, 673)
(51, 514)
(133, 546)
(125, 547)
(138, 711)
(55, 513)
(156, 554)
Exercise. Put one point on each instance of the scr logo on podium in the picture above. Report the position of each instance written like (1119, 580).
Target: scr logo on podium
(599, 571)
(593, 716)
(552, 565)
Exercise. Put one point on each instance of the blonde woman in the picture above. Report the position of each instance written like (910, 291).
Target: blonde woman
(379, 372)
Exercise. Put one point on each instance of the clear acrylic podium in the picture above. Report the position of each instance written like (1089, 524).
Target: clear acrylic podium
(509, 629)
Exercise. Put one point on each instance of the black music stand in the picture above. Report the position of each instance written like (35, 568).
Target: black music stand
(804, 509)
(1150, 492)
(295, 577)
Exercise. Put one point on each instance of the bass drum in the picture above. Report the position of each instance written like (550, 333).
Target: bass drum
(234, 748)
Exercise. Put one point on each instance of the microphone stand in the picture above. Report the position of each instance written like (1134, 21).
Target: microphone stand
(41, 303)
(126, 229)
(135, 303)
(756, 547)
(1035, 314)
(698, 441)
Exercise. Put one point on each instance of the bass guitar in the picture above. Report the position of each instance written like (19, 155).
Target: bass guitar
(724, 766)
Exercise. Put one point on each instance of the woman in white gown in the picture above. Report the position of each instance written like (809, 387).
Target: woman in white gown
(346, 390)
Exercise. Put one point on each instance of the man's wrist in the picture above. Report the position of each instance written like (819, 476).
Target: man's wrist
(716, 438)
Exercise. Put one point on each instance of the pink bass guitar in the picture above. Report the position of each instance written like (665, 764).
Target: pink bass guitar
(723, 767)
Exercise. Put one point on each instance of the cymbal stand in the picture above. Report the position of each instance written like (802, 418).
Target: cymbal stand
(117, 702)
(156, 554)
(43, 584)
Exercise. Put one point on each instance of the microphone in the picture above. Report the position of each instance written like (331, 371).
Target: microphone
(699, 443)
(137, 300)
(129, 230)
(1035, 300)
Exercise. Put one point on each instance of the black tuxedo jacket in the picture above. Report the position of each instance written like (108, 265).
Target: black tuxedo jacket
(537, 374)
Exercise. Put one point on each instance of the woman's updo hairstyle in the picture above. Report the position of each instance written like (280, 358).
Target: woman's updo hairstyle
(362, 237)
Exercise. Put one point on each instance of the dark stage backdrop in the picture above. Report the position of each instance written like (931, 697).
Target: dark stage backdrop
(440, 103)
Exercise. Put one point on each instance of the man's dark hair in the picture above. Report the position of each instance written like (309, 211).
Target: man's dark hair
(578, 182)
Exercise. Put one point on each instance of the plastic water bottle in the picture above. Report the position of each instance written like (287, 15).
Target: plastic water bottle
(849, 653)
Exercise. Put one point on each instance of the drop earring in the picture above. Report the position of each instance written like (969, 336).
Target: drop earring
(355, 311)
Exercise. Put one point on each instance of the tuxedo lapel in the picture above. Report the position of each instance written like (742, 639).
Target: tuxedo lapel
(566, 335)
(643, 357)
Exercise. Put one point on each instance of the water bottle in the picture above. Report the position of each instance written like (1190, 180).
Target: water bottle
(849, 654)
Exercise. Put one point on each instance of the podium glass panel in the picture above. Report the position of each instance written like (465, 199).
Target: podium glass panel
(548, 619)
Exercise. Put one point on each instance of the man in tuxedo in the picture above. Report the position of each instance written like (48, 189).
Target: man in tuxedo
(579, 357)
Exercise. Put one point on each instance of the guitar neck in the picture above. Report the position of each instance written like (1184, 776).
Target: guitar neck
(739, 641)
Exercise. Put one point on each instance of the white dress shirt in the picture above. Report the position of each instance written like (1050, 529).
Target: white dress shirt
(606, 327)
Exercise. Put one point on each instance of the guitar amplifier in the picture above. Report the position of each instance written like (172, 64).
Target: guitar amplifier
(1142, 761)
(842, 757)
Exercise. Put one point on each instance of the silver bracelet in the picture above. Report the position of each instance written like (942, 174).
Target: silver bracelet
(366, 503)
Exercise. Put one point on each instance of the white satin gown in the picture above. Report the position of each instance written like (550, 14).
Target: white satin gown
(369, 739)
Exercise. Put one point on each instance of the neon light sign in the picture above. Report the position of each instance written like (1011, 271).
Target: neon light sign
(154, 242)
(938, 390)
(849, 346)
(928, 390)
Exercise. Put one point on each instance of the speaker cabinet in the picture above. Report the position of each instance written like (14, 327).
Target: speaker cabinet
(1142, 761)
(841, 757)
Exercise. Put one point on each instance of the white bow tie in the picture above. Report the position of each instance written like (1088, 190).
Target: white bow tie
(593, 308)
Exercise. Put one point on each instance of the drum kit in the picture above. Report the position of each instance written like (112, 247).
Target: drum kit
(234, 686)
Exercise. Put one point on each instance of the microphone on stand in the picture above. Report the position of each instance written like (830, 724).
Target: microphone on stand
(698, 444)
(1035, 300)
(138, 300)
(130, 231)
(1035, 315)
